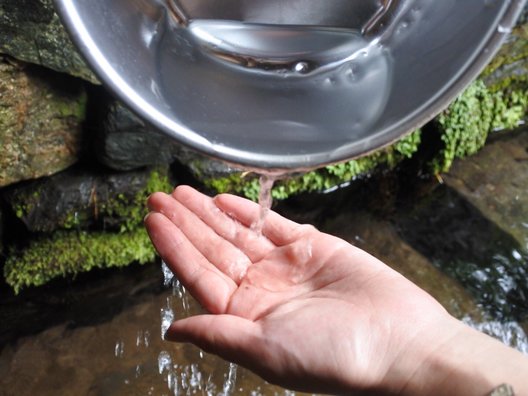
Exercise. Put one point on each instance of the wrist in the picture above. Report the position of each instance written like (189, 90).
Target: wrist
(467, 362)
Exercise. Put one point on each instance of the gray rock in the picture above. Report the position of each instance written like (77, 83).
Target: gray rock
(124, 142)
(31, 31)
(40, 121)
(464, 243)
(82, 199)
(495, 181)
(510, 65)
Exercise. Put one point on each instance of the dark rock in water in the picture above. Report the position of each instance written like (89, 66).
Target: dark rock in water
(495, 181)
(80, 199)
(40, 121)
(459, 240)
(31, 31)
(126, 143)
(89, 299)
(475, 226)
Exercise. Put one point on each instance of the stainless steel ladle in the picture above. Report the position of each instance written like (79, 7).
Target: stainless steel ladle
(287, 84)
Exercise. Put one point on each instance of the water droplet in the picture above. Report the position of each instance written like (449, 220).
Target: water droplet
(504, 29)
(301, 67)
(351, 73)
(164, 362)
(230, 382)
(167, 317)
(168, 276)
(119, 349)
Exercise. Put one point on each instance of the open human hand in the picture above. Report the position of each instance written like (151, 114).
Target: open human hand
(299, 307)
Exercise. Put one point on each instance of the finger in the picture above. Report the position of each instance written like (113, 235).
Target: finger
(255, 246)
(217, 250)
(276, 228)
(231, 337)
(211, 287)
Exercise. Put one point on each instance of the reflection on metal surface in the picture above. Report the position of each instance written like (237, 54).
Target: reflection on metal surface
(177, 12)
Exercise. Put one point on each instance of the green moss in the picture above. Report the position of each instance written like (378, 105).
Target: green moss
(466, 124)
(73, 108)
(321, 179)
(70, 252)
(24, 207)
(506, 68)
(130, 211)
(74, 220)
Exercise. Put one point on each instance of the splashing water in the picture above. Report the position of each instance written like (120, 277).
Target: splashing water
(143, 338)
(164, 362)
(119, 349)
(229, 384)
(168, 276)
(167, 317)
(185, 379)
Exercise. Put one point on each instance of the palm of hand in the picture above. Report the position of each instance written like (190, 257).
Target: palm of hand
(284, 298)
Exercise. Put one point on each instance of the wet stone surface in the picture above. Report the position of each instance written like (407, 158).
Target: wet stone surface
(41, 118)
(456, 238)
(495, 181)
(76, 198)
(474, 226)
(124, 142)
(31, 31)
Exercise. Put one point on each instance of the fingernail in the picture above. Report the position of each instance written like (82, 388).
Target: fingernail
(146, 216)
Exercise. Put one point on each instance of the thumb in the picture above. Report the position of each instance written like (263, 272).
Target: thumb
(231, 337)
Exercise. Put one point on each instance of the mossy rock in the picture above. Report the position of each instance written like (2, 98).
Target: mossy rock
(41, 120)
(68, 253)
(124, 142)
(509, 68)
(497, 100)
(476, 113)
(82, 199)
(72, 250)
(32, 32)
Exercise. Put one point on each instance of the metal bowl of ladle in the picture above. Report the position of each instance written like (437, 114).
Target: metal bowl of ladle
(287, 84)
